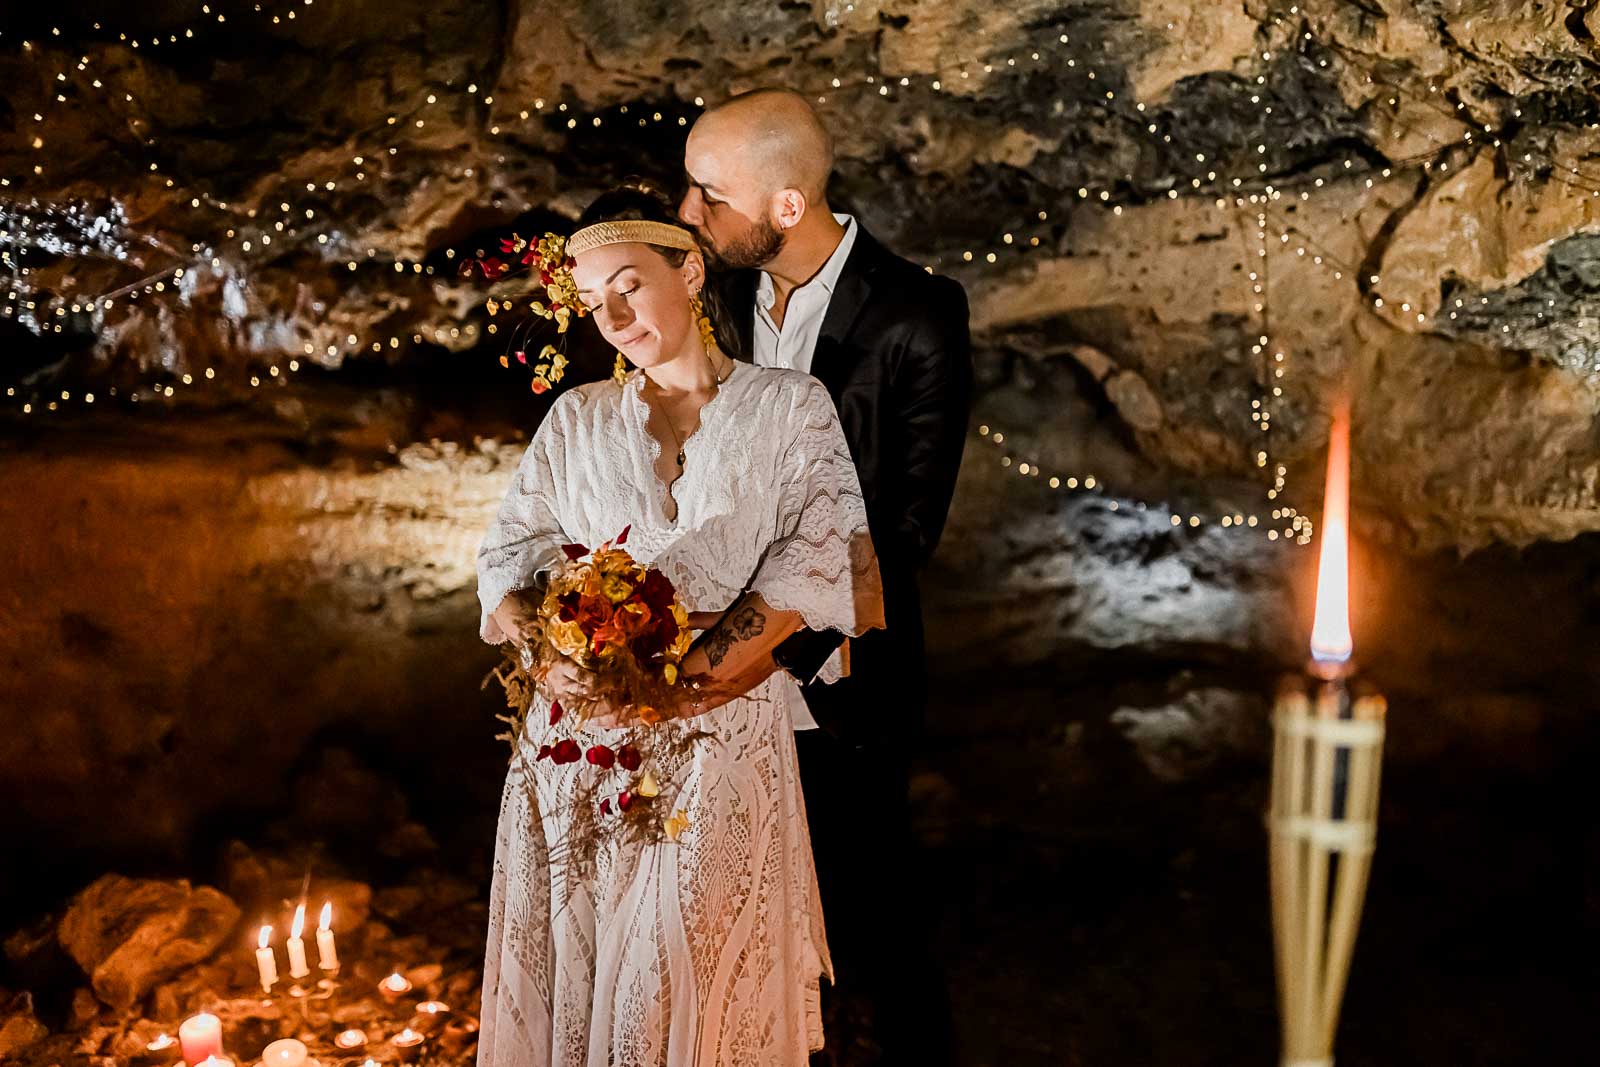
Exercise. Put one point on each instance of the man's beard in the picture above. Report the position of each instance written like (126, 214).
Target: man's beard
(757, 247)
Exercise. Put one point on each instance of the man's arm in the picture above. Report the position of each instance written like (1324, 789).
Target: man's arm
(933, 402)
(735, 655)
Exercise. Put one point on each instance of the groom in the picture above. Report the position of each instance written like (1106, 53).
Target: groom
(811, 290)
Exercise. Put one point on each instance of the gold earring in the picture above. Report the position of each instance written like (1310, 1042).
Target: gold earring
(698, 310)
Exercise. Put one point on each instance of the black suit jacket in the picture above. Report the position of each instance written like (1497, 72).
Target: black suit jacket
(895, 354)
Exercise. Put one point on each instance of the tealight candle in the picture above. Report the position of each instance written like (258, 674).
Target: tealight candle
(407, 1043)
(297, 947)
(394, 987)
(215, 1061)
(201, 1037)
(163, 1050)
(286, 1052)
(327, 956)
(266, 961)
(350, 1039)
(431, 1015)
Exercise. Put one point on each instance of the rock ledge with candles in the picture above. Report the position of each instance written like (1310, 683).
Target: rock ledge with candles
(152, 972)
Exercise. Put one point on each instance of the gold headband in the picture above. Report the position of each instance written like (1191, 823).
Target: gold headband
(630, 230)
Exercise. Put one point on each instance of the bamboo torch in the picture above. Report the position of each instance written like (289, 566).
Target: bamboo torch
(1327, 754)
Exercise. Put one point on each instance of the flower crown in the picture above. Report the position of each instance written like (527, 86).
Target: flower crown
(554, 256)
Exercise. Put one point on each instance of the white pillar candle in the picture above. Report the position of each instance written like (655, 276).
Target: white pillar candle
(284, 1053)
(297, 947)
(201, 1037)
(266, 962)
(327, 957)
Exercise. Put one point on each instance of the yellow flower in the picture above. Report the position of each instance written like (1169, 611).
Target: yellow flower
(567, 637)
(676, 825)
(616, 587)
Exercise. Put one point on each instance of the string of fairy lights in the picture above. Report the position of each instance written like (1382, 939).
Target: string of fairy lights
(1251, 197)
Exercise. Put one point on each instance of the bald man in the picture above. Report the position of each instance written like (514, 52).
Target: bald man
(811, 290)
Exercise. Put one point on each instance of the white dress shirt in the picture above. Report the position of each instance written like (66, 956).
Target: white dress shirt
(791, 346)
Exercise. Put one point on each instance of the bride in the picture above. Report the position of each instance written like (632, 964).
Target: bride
(737, 483)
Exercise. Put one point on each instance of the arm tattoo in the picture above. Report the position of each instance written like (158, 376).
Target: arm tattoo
(741, 625)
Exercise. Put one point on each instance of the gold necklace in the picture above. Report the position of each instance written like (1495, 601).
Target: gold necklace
(717, 380)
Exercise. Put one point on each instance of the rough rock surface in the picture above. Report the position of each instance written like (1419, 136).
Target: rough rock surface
(129, 934)
(1166, 181)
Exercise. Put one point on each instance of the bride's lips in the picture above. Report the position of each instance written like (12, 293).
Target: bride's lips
(632, 338)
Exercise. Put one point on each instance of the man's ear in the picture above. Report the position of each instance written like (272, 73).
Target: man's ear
(788, 208)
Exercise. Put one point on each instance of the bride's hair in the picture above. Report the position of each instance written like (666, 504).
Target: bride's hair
(639, 199)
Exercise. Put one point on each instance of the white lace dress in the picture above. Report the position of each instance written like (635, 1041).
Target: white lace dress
(708, 951)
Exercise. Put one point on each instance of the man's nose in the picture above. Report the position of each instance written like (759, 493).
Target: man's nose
(689, 209)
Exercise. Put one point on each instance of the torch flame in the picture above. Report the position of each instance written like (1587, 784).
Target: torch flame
(266, 932)
(327, 916)
(1330, 630)
(299, 921)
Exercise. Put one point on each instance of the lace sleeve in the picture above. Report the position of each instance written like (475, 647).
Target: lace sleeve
(526, 535)
(821, 562)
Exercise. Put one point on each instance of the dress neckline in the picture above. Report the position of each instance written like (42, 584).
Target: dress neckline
(664, 490)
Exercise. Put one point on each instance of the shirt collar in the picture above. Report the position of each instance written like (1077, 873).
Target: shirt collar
(826, 278)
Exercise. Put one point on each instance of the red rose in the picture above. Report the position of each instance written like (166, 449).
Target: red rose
(605, 806)
(593, 613)
(624, 800)
(629, 757)
(569, 606)
(656, 590)
(491, 267)
(601, 757)
(555, 712)
(544, 277)
(566, 752)
(544, 752)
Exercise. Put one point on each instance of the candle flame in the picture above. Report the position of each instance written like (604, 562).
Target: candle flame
(266, 932)
(1330, 629)
(397, 982)
(165, 1041)
(327, 915)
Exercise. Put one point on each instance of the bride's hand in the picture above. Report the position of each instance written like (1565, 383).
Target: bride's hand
(518, 615)
(567, 681)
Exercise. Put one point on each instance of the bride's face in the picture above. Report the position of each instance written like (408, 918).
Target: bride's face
(639, 301)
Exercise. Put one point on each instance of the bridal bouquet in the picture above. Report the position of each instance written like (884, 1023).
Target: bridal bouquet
(623, 621)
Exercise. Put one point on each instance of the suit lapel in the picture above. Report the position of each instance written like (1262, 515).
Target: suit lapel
(832, 356)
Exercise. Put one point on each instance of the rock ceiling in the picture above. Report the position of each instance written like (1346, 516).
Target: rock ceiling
(1208, 215)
